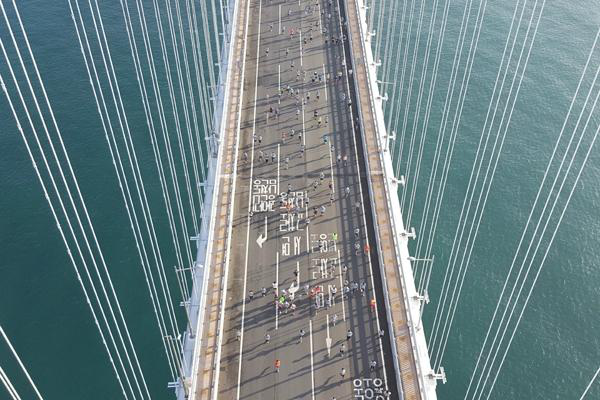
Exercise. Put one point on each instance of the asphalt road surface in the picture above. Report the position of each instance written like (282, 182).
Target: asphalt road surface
(299, 226)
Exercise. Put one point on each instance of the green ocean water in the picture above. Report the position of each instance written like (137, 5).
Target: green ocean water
(556, 349)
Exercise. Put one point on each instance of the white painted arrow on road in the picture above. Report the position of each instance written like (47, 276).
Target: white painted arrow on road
(262, 239)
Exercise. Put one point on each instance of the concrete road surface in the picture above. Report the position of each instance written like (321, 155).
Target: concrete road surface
(299, 228)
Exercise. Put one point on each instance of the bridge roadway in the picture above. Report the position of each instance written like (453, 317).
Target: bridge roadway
(299, 222)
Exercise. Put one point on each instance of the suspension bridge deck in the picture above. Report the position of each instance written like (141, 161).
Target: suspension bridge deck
(294, 216)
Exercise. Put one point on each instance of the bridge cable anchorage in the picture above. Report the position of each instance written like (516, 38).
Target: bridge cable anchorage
(437, 151)
(16, 356)
(123, 182)
(559, 173)
(488, 177)
(74, 206)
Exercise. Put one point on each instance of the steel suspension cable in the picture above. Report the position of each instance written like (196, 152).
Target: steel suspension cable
(415, 180)
(478, 162)
(424, 214)
(551, 241)
(129, 146)
(441, 135)
(408, 103)
(545, 206)
(473, 235)
(117, 162)
(8, 385)
(454, 131)
(587, 388)
(391, 104)
(396, 114)
(156, 152)
(16, 356)
(75, 182)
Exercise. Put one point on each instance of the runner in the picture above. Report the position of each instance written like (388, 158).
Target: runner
(277, 365)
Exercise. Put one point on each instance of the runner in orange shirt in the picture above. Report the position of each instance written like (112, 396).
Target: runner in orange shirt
(277, 365)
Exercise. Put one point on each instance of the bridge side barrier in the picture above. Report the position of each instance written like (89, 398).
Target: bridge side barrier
(426, 388)
(195, 346)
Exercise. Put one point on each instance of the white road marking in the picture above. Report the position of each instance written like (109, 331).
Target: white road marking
(298, 273)
(328, 339)
(312, 364)
(279, 19)
(300, 36)
(307, 234)
(279, 79)
(303, 132)
(278, 166)
(325, 82)
(331, 165)
(261, 239)
(342, 288)
(276, 288)
(239, 383)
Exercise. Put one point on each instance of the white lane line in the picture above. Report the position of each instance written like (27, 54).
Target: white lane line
(328, 339)
(239, 383)
(300, 36)
(312, 363)
(331, 165)
(279, 20)
(278, 165)
(230, 224)
(325, 82)
(307, 234)
(341, 287)
(278, 79)
(303, 131)
(276, 289)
